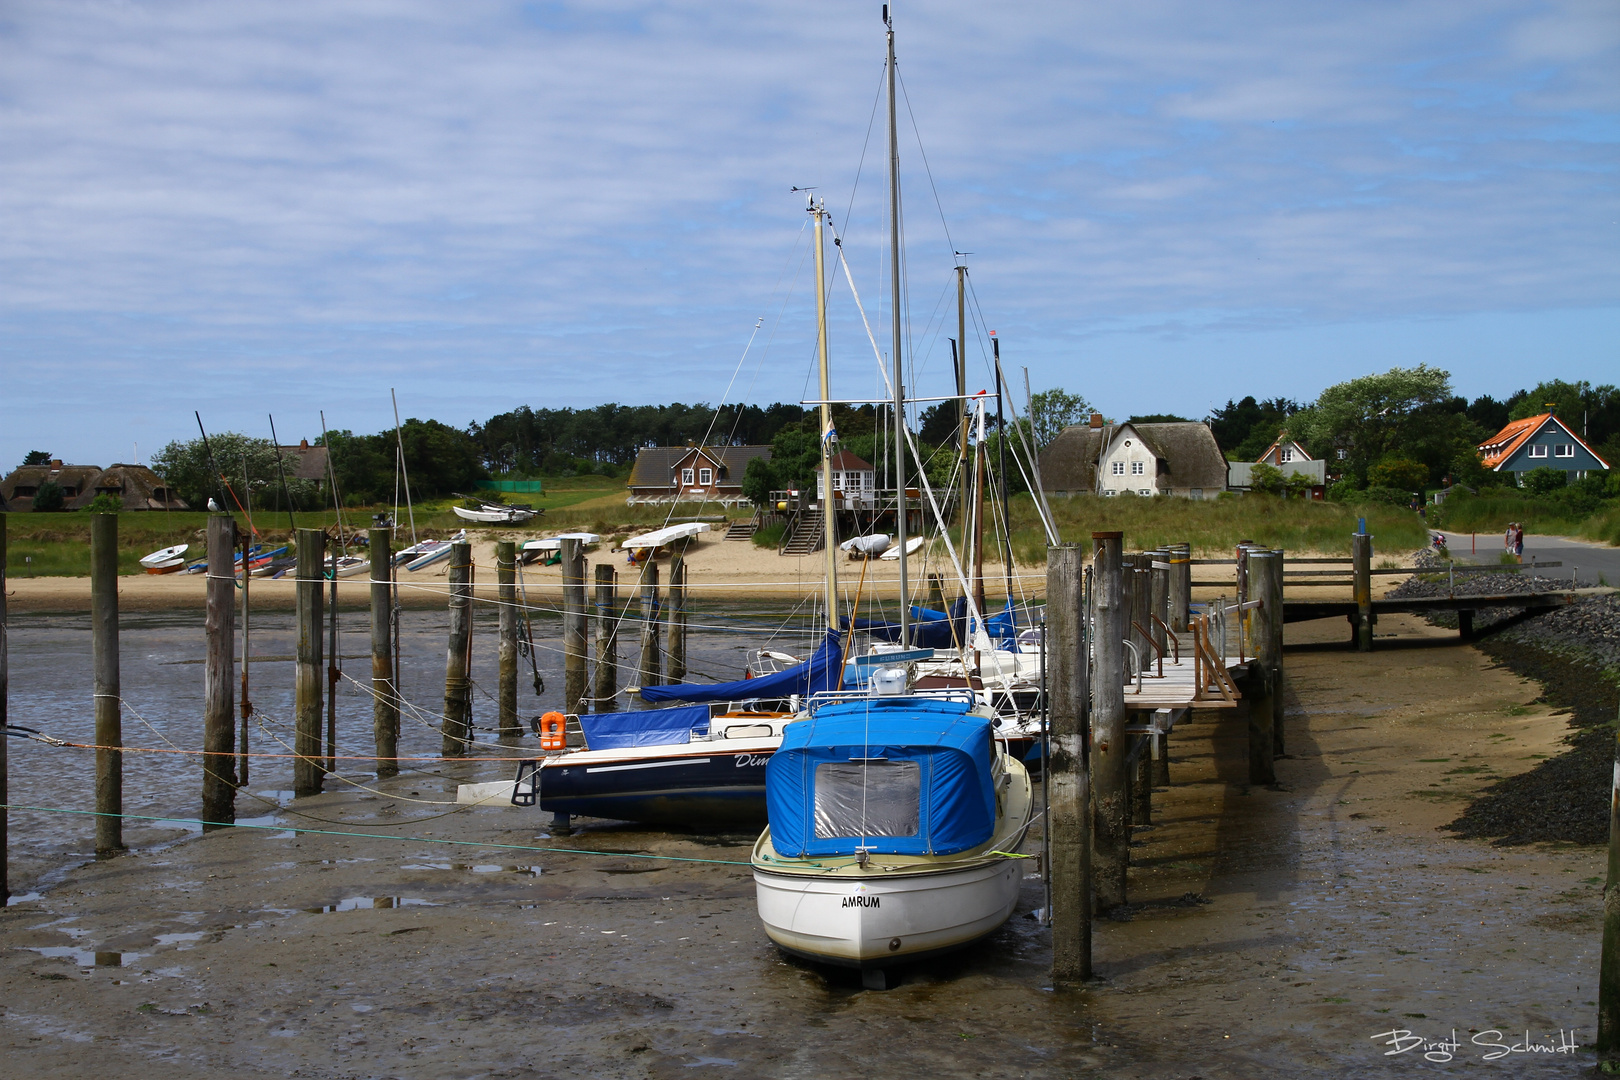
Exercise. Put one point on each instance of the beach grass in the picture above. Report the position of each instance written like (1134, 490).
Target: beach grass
(1214, 526)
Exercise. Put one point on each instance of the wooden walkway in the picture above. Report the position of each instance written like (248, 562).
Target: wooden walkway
(1178, 687)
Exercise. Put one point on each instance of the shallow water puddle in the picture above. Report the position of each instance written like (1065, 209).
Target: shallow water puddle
(84, 958)
(364, 903)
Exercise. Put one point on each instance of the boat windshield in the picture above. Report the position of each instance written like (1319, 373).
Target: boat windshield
(867, 798)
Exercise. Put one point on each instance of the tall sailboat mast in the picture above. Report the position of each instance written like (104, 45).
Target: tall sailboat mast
(828, 436)
(894, 318)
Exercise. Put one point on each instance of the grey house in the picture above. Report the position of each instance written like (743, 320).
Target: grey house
(1539, 442)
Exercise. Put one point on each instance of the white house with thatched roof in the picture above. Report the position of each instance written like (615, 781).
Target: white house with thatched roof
(1140, 459)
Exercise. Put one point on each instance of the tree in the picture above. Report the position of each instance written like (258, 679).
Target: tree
(1053, 410)
(49, 497)
(37, 457)
(1544, 481)
(1593, 412)
(1247, 427)
(1399, 413)
(759, 480)
(248, 464)
(1398, 472)
(1160, 418)
(105, 504)
(1267, 479)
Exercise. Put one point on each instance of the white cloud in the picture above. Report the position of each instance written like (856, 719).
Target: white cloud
(567, 204)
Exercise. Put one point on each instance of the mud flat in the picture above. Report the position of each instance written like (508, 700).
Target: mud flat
(1273, 932)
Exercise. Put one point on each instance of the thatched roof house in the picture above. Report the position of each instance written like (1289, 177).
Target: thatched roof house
(1142, 459)
(138, 487)
(19, 488)
(304, 462)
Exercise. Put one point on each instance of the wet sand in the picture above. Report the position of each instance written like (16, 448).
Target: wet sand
(1335, 911)
(716, 568)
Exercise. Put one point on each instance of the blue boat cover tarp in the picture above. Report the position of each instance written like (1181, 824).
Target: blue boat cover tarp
(821, 672)
(649, 727)
(932, 629)
(898, 776)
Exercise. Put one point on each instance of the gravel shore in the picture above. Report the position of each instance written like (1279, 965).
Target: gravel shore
(1574, 653)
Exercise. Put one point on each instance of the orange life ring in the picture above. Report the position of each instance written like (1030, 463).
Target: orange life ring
(553, 726)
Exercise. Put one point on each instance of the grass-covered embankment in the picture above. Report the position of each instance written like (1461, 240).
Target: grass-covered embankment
(1492, 509)
(1215, 525)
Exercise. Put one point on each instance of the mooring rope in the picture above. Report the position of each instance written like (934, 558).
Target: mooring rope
(379, 836)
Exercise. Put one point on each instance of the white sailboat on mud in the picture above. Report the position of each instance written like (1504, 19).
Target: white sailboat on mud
(894, 814)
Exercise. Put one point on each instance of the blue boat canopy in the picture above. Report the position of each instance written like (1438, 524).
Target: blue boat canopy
(897, 776)
(820, 672)
(648, 727)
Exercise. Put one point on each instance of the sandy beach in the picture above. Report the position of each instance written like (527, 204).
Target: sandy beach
(715, 568)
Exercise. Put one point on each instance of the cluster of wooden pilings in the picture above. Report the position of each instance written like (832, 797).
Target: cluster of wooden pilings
(1105, 623)
(226, 758)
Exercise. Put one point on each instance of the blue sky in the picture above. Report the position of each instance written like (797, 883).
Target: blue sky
(286, 207)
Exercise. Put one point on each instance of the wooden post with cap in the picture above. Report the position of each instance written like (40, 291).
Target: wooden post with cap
(1067, 780)
(384, 695)
(109, 696)
(573, 595)
(308, 766)
(457, 727)
(506, 723)
(607, 638)
(1111, 826)
(219, 677)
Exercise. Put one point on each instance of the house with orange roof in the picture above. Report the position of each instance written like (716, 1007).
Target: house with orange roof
(1539, 442)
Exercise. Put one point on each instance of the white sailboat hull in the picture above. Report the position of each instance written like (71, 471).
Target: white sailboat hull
(875, 922)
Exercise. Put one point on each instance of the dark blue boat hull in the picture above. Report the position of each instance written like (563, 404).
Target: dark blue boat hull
(703, 788)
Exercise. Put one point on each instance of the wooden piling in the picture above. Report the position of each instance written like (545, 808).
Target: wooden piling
(573, 571)
(457, 726)
(308, 768)
(1159, 599)
(5, 648)
(507, 727)
(1141, 603)
(1608, 1026)
(1142, 781)
(1161, 760)
(1180, 586)
(677, 619)
(219, 677)
(108, 700)
(1111, 830)
(1361, 555)
(1068, 783)
(1279, 701)
(607, 638)
(384, 695)
(1262, 695)
(648, 673)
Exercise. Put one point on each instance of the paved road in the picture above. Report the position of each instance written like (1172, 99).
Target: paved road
(1582, 559)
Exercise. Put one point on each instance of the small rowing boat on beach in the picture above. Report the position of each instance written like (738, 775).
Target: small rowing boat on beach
(488, 513)
(166, 560)
(651, 544)
(424, 554)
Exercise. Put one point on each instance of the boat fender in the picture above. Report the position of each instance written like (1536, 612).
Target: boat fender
(552, 728)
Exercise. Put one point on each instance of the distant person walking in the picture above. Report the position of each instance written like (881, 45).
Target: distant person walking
(1518, 542)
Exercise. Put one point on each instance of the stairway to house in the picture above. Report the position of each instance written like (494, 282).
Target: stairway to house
(742, 530)
(806, 535)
